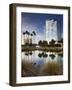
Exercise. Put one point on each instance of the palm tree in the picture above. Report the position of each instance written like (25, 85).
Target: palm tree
(31, 37)
(27, 40)
(27, 32)
(34, 34)
(24, 36)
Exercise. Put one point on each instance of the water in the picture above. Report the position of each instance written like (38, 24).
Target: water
(39, 63)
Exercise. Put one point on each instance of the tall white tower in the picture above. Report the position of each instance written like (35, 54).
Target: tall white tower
(51, 30)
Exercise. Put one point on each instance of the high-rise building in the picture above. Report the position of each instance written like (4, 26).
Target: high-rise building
(51, 30)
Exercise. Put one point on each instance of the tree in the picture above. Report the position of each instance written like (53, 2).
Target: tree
(52, 42)
(40, 43)
(24, 36)
(45, 43)
(27, 38)
(61, 40)
(31, 37)
(34, 34)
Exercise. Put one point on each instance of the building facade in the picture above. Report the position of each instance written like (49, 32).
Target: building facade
(51, 30)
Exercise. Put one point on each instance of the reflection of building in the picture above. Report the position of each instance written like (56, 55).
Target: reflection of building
(51, 30)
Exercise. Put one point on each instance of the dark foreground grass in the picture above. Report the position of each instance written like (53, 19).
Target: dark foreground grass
(28, 69)
(52, 68)
(48, 69)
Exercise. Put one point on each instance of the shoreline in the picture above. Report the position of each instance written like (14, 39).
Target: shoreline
(47, 49)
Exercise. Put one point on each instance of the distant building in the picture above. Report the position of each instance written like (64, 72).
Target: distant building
(51, 30)
(25, 39)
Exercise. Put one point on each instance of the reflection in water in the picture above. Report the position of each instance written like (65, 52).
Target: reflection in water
(39, 63)
(42, 55)
(52, 56)
(51, 68)
(28, 53)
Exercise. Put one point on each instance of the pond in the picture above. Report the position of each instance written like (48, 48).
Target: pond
(41, 63)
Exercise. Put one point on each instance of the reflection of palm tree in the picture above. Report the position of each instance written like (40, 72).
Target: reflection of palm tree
(44, 56)
(26, 53)
(30, 53)
(40, 55)
(60, 55)
(52, 56)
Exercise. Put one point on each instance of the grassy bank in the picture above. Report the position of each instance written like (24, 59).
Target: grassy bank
(43, 48)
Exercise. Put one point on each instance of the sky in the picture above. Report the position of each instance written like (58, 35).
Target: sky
(37, 22)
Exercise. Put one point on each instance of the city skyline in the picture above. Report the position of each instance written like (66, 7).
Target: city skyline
(37, 22)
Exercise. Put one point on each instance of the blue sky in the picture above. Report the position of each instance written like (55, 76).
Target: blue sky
(36, 22)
